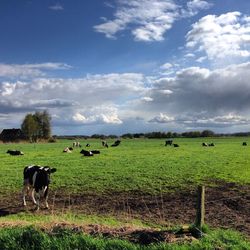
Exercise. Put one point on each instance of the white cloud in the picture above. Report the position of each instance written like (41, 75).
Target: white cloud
(195, 6)
(227, 35)
(147, 99)
(166, 66)
(29, 70)
(162, 118)
(148, 20)
(56, 7)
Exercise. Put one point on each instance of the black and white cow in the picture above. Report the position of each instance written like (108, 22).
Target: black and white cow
(168, 142)
(37, 179)
(244, 143)
(105, 144)
(15, 152)
(86, 153)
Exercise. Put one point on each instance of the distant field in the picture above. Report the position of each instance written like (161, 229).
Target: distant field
(144, 165)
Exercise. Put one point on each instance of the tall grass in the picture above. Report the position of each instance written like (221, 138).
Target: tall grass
(30, 238)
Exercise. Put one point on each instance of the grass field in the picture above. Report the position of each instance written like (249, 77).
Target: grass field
(144, 165)
(142, 180)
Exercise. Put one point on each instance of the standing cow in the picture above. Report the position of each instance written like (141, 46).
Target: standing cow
(168, 142)
(37, 179)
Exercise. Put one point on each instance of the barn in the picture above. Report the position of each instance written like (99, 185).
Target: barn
(12, 135)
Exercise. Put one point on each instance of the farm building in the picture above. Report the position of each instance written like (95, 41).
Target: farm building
(9, 135)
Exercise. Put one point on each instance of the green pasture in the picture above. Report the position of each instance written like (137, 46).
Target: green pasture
(144, 165)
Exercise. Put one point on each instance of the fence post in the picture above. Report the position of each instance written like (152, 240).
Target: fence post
(200, 211)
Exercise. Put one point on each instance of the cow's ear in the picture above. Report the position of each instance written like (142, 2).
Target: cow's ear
(53, 170)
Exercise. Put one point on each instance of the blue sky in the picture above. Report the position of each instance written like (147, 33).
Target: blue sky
(119, 66)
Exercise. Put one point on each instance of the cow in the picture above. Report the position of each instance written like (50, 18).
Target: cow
(168, 142)
(87, 145)
(67, 150)
(76, 144)
(105, 144)
(116, 143)
(204, 144)
(37, 179)
(15, 152)
(244, 143)
(211, 144)
(176, 145)
(86, 153)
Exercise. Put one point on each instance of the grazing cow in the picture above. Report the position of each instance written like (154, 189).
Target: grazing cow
(204, 144)
(37, 179)
(105, 144)
(168, 142)
(211, 144)
(176, 145)
(67, 150)
(116, 143)
(87, 145)
(244, 143)
(86, 153)
(14, 152)
(76, 144)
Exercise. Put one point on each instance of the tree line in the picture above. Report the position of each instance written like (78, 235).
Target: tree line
(37, 126)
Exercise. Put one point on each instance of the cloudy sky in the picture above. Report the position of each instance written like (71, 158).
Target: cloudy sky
(119, 66)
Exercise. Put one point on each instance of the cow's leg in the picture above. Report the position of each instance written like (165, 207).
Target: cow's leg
(25, 191)
(46, 202)
(38, 200)
(33, 196)
(45, 194)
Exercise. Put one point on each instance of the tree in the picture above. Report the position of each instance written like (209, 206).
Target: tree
(43, 120)
(37, 126)
(207, 133)
(29, 127)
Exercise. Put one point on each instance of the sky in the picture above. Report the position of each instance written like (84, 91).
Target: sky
(126, 66)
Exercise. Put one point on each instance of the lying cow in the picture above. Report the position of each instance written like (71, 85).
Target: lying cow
(204, 144)
(244, 143)
(86, 153)
(116, 143)
(211, 144)
(67, 150)
(37, 179)
(15, 152)
(176, 145)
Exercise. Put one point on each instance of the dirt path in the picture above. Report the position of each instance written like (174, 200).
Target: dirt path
(227, 206)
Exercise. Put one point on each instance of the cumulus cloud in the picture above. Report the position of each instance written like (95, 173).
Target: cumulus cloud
(227, 35)
(89, 100)
(193, 97)
(148, 20)
(216, 94)
(29, 70)
(162, 118)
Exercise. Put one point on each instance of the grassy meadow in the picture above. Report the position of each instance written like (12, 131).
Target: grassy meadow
(144, 165)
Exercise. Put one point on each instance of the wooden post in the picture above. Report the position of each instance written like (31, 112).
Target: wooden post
(200, 211)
